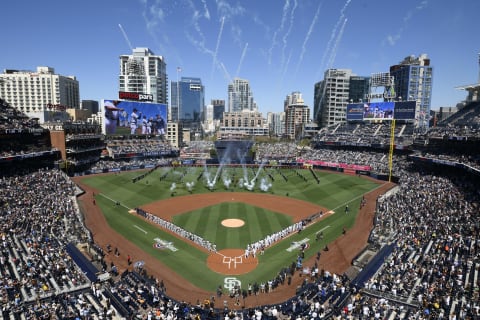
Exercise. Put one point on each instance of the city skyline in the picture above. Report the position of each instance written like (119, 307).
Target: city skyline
(280, 47)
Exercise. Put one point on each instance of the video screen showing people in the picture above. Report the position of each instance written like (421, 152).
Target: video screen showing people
(378, 110)
(133, 118)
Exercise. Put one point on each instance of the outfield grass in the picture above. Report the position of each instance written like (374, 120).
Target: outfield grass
(333, 193)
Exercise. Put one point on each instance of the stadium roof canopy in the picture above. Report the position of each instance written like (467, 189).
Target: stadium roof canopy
(467, 87)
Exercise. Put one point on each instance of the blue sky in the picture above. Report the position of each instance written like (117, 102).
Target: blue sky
(280, 46)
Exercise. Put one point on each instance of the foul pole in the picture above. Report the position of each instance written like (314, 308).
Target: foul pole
(392, 147)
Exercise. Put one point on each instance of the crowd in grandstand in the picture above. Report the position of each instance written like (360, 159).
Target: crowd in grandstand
(111, 165)
(13, 120)
(39, 218)
(433, 269)
(284, 151)
(366, 134)
(434, 222)
(430, 222)
(145, 148)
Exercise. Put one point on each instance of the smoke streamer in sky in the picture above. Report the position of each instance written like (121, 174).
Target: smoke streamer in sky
(337, 42)
(217, 46)
(333, 34)
(307, 37)
(244, 52)
(287, 34)
(275, 34)
(392, 39)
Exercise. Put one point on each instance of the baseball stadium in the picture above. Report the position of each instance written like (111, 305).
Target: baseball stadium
(364, 219)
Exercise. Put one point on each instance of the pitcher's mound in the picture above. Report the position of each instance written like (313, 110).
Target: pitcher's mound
(231, 262)
(233, 223)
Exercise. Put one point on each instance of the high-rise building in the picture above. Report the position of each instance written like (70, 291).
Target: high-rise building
(358, 89)
(297, 115)
(143, 72)
(218, 108)
(188, 100)
(293, 98)
(90, 105)
(40, 94)
(240, 96)
(276, 123)
(331, 97)
(413, 82)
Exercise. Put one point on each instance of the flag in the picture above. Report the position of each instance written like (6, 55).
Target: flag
(179, 69)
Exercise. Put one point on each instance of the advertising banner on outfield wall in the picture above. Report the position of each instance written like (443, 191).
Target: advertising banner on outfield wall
(335, 165)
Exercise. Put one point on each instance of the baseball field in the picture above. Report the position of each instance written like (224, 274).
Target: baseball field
(184, 211)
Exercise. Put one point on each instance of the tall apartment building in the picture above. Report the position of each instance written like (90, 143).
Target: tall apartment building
(188, 100)
(293, 98)
(143, 72)
(218, 108)
(240, 96)
(40, 94)
(276, 123)
(413, 81)
(213, 115)
(331, 96)
(296, 117)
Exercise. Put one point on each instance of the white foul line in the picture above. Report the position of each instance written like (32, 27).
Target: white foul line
(140, 228)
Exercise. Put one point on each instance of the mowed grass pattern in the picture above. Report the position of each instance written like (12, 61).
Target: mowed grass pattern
(207, 223)
(334, 192)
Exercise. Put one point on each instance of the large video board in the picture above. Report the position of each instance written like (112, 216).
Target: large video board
(133, 117)
(405, 110)
(355, 111)
(381, 111)
(378, 110)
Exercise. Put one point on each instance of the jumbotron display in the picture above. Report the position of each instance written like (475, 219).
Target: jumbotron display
(404, 110)
(133, 117)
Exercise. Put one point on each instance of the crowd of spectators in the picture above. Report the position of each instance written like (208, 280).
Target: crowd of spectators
(111, 165)
(20, 135)
(431, 219)
(282, 151)
(472, 161)
(378, 161)
(463, 123)
(13, 120)
(144, 148)
(38, 219)
(367, 134)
